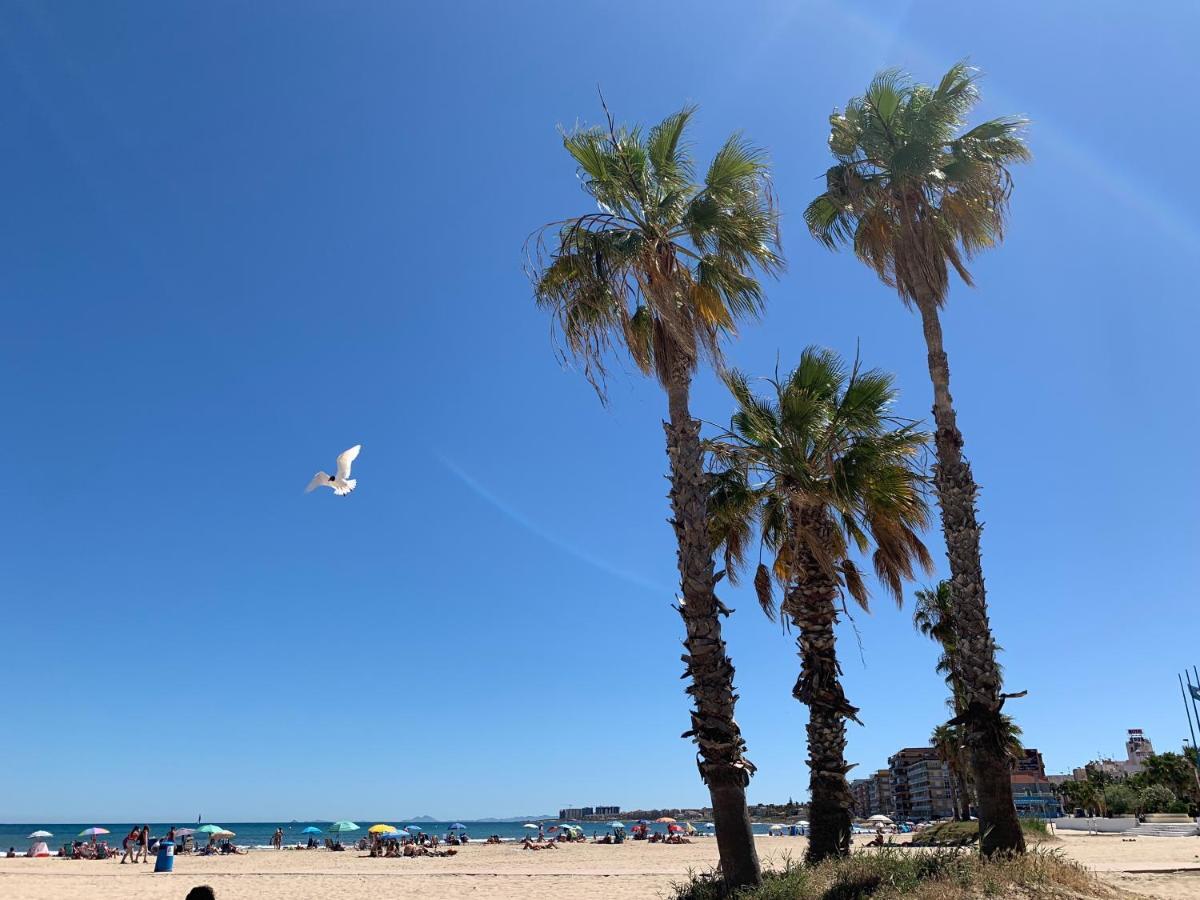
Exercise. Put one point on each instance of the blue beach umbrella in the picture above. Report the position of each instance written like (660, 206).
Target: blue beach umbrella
(458, 826)
(311, 829)
(413, 829)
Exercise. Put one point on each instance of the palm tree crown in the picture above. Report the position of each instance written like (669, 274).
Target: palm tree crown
(914, 193)
(826, 439)
(666, 265)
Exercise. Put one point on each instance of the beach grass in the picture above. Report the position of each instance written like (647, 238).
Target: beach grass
(935, 874)
(960, 834)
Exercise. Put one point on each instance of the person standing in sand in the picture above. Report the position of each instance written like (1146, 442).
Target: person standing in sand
(130, 845)
(143, 844)
(277, 839)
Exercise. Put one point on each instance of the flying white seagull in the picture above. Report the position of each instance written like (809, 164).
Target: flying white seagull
(341, 483)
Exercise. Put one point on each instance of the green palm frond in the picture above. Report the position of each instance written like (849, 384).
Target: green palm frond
(667, 265)
(825, 447)
(913, 190)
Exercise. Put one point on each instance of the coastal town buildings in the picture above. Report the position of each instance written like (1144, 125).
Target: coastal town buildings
(931, 791)
(879, 793)
(918, 786)
(589, 812)
(1137, 749)
(873, 794)
(907, 796)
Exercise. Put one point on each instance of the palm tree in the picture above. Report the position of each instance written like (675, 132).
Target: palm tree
(947, 741)
(665, 267)
(933, 616)
(825, 473)
(916, 196)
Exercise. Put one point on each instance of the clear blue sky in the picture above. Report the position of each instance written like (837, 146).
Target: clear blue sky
(238, 238)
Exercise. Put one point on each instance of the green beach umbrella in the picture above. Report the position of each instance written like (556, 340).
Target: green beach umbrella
(343, 826)
(211, 829)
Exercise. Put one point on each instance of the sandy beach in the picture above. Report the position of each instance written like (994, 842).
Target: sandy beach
(1154, 867)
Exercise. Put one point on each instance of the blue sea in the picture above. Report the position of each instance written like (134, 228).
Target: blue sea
(258, 834)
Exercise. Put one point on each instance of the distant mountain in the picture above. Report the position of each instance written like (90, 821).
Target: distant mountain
(422, 819)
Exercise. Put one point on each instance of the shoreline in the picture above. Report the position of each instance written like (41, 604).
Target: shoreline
(1166, 868)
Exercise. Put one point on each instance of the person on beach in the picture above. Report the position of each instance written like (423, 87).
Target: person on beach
(130, 845)
(143, 844)
(277, 839)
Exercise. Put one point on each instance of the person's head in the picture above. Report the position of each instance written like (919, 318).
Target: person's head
(203, 892)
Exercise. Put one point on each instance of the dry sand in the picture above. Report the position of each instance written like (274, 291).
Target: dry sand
(482, 872)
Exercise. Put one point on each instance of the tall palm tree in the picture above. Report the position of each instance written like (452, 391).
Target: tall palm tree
(916, 195)
(823, 472)
(947, 741)
(933, 616)
(665, 267)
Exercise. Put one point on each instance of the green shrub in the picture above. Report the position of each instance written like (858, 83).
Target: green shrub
(960, 834)
(890, 873)
(1120, 799)
(1156, 799)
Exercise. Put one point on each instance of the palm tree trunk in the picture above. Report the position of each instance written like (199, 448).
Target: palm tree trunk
(975, 649)
(964, 792)
(811, 606)
(955, 807)
(723, 767)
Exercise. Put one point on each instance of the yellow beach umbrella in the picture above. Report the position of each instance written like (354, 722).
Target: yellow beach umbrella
(381, 829)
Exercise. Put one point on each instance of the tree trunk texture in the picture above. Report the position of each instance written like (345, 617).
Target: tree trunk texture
(975, 649)
(721, 760)
(810, 604)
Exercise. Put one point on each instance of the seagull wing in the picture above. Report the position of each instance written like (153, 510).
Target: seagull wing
(319, 479)
(344, 461)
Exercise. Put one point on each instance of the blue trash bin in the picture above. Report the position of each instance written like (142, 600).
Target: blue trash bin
(165, 861)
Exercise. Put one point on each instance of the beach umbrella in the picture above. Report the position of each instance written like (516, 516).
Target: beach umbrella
(616, 824)
(530, 825)
(92, 832)
(882, 820)
(382, 829)
(665, 820)
(776, 828)
(674, 828)
(413, 829)
(311, 829)
(184, 832)
(209, 829)
(40, 834)
(342, 826)
(225, 833)
(458, 826)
